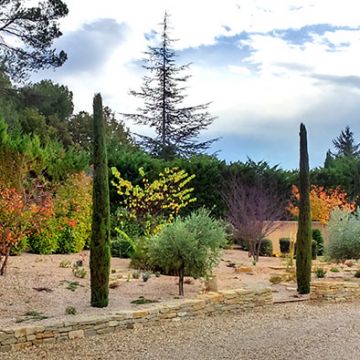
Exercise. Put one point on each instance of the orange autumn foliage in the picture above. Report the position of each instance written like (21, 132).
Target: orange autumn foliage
(19, 213)
(322, 202)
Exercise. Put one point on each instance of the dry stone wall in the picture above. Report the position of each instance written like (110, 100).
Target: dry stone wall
(336, 291)
(207, 304)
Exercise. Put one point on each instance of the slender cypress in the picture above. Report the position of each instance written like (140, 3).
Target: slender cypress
(100, 236)
(303, 239)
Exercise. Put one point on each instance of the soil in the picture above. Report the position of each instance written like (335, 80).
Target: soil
(36, 285)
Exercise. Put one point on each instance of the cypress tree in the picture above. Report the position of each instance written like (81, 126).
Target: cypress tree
(100, 236)
(304, 236)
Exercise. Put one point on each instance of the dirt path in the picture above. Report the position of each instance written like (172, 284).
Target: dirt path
(292, 331)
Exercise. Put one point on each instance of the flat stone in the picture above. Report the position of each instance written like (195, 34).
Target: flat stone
(243, 269)
(140, 314)
(5, 348)
(77, 334)
(21, 346)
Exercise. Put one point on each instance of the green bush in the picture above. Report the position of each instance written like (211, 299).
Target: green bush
(284, 245)
(69, 241)
(266, 248)
(188, 246)
(140, 257)
(122, 220)
(344, 235)
(313, 249)
(316, 235)
(44, 242)
(122, 247)
(20, 247)
(320, 273)
(244, 245)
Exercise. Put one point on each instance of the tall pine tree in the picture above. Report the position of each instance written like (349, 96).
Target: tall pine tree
(100, 237)
(177, 127)
(304, 235)
(345, 144)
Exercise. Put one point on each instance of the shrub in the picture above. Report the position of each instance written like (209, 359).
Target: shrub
(334, 270)
(65, 263)
(344, 235)
(20, 215)
(266, 248)
(122, 221)
(122, 246)
(136, 274)
(70, 310)
(284, 245)
(68, 241)
(45, 241)
(357, 274)
(72, 205)
(188, 246)
(320, 273)
(79, 272)
(243, 244)
(140, 258)
(166, 195)
(20, 247)
(316, 235)
(146, 276)
(313, 249)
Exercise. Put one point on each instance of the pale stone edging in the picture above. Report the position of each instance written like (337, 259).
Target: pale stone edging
(336, 291)
(211, 303)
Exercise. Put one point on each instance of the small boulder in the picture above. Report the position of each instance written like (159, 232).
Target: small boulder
(243, 269)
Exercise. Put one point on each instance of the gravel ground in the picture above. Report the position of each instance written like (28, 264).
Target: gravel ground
(289, 331)
(28, 272)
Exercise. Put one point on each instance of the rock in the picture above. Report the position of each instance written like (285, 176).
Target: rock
(243, 269)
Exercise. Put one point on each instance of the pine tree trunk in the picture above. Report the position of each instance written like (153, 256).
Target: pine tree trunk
(100, 237)
(303, 239)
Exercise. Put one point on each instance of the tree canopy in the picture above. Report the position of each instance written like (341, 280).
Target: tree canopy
(345, 144)
(27, 33)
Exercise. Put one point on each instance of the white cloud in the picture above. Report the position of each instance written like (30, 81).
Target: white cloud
(287, 86)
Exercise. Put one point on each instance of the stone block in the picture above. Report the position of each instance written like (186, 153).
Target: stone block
(5, 348)
(108, 330)
(77, 334)
(139, 314)
(90, 332)
(21, 346)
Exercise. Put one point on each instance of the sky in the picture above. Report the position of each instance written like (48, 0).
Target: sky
(266, 66)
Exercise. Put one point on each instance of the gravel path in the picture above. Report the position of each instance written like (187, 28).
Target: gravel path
(291, 331)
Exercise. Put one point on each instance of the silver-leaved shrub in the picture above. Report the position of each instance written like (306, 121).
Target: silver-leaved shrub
(344, 235)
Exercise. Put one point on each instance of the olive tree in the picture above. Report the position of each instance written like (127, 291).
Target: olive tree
(190, 246)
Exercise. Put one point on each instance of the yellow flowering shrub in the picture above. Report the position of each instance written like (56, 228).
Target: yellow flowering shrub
(156, 203)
